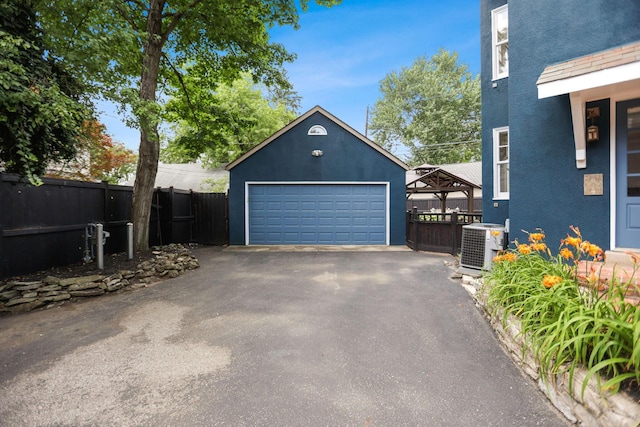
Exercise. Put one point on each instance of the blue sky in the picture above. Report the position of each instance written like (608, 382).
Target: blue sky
(343, 52)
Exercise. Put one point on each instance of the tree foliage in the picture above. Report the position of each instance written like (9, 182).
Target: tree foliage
(432, 108)
(41, 112)
(98, 158)
(230, 120)
(131, 47)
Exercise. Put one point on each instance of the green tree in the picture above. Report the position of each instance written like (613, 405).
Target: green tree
(217, 125)
(432, 108)
(131, 47)
(41, 113)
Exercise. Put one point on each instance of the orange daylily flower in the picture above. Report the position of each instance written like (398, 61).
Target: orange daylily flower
(536, 237)
(549, 280)
(566, 253)
(508, 256)
(524, 249)
(590, 248)
(572, 241)
(539, 247)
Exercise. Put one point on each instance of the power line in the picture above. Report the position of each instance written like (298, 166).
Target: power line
(443, 144)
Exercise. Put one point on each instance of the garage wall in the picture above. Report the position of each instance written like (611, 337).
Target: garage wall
(345, 159)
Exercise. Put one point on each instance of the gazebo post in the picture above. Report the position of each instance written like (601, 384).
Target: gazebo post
(470, 201)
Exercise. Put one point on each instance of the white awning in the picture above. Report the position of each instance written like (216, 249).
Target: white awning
(588, 78)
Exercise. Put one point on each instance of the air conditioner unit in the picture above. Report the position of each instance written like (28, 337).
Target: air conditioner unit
(480, 244)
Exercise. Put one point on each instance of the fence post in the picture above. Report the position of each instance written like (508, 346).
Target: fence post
(106, 210)
(414, 220)
(454, 232)
(171, 216)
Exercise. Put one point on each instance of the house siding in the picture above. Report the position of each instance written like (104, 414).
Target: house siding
(495, 114)
(546, 188)
(345, 159)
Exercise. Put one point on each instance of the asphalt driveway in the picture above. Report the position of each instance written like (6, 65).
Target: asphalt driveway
(270, 338)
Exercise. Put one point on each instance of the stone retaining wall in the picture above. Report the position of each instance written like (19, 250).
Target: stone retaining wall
(595, 408)
(167, 262)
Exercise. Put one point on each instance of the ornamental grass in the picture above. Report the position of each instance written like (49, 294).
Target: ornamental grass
(564, 324)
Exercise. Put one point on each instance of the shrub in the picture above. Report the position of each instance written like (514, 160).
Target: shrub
(567, 325)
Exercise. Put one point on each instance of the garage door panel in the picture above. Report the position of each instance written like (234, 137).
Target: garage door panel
(360, 221)
(325, 221)
(273, 190)
(325, 206)
(377, 206)
(361, 191)
(291, 190)
(359, 206)
(307, 190)
(377, 222)
(317, 214)
(326, 190)
(308, 205)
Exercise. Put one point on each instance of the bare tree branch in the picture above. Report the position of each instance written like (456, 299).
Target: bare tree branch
(184, 89)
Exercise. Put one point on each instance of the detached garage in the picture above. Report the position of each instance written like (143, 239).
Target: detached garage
(317, 182)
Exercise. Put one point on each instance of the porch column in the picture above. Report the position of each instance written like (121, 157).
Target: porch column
(578, 119)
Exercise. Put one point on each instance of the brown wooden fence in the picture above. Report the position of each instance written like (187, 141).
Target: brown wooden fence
(437, 232)
(43, 227)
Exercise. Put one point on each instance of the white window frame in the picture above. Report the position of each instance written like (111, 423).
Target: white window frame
(495, 44)
(497, 194)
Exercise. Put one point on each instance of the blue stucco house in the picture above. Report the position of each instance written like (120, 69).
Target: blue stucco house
(317, 182)
(561, 118)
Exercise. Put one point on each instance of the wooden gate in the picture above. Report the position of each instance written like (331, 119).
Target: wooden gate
(211, 222)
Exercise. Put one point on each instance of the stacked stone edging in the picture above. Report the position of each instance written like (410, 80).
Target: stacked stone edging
(167, 262)
(595, 408)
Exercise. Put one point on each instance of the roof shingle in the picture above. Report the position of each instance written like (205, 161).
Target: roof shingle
(621, 55)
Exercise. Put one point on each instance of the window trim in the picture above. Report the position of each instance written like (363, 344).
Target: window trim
(497, 194)
(494, 44)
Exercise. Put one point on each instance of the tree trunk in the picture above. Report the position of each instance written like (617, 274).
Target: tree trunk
(149, 150)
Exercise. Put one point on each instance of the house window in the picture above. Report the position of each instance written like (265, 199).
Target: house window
(500, 42)
(501, 163)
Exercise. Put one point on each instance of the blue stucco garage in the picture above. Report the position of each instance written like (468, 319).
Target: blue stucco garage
(317, 182)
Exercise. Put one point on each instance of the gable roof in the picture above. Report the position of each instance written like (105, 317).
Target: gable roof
(617, 65)
(317, 109)
(469, 173)
(436, 179)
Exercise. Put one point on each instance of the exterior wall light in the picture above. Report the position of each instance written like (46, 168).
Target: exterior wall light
(317, 153)
(593, 133)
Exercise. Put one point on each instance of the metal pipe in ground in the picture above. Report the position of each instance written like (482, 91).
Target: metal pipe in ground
(129, 240)
(100, 246)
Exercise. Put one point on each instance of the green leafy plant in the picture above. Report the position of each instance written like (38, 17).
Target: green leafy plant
(566, 323)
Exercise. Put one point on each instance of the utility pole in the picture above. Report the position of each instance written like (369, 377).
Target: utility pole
(366, 124)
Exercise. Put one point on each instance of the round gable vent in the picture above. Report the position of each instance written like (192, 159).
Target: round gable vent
(317, 130)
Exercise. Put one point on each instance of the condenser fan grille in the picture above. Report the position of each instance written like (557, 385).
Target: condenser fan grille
(472, 251)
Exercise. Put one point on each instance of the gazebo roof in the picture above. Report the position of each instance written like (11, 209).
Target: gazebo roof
(434, 179)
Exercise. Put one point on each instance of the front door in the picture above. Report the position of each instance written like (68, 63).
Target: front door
(628, 174)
